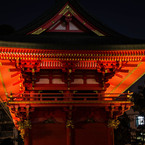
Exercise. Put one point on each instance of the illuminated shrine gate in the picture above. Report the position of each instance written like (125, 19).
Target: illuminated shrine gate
(63, 79)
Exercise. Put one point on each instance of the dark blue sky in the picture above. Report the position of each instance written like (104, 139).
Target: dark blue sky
(124, 16)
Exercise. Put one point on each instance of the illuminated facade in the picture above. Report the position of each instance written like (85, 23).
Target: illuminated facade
(63, 78)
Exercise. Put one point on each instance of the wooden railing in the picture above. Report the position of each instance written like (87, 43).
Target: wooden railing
(55, 97)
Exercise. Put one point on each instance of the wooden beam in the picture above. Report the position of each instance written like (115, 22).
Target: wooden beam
(71, 87)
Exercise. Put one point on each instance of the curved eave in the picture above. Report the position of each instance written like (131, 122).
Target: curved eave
(47, 46)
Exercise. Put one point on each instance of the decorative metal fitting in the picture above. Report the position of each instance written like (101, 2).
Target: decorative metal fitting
(112, 123)
(129, 95)
(70, 124)
(22, 125)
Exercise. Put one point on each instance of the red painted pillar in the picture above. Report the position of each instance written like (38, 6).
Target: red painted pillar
(27, 137)
(69, 132)
(68, 136)
(110, 136)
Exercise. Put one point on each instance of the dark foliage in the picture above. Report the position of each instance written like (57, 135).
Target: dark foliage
(122, 133)
(139, 101)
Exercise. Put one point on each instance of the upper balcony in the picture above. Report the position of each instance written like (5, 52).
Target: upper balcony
(70, 99)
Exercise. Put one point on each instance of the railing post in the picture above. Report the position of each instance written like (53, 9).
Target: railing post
(67, 95)
(40, 97)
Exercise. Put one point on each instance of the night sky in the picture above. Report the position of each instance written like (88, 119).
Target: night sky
(124, 16)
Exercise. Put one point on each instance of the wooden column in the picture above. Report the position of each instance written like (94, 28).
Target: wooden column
(69, 127)
(69, 136)
(110, 136)
(27, 137)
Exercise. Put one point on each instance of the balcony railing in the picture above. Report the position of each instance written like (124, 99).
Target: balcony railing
(69, 97)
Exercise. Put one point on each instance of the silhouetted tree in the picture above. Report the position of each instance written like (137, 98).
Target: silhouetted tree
(123, 132)
(139, 100)
(139, 106)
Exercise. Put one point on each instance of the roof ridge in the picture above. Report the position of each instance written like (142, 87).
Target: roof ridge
(59, 4)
